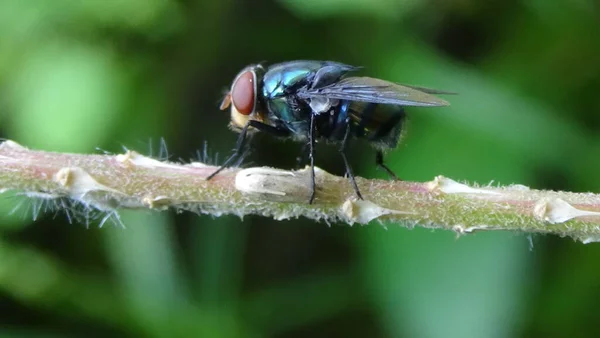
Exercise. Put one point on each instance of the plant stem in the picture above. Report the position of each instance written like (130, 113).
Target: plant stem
(111, 182)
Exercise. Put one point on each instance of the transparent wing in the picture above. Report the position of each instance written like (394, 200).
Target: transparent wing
(430, 90)
(373, 90)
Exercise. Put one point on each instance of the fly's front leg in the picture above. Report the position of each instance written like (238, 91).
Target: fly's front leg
(311, 142)
(239, 145)
(241, 141)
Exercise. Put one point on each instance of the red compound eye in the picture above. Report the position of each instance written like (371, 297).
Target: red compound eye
(242, 93)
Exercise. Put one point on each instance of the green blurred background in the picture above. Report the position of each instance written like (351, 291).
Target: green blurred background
(81, 74)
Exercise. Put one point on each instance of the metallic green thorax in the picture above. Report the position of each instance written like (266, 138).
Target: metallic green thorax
(282, 79)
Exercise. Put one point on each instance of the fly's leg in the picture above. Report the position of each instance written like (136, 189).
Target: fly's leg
(302, 157)
(311, 142)
(348, 168)
(379, 163)
(241, 141)
(239, 145)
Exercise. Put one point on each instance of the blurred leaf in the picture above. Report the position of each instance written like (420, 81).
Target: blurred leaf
(306, 301)
(383, 9)
(15, 211)
(26, 19)
(24, 333)
(565, 302)
(218, 252)
(66, 97)
(143, 255)
(584, 166)
(138, 14)
(483, 108)
(553, 58)
(39, 281)
(426, 152)
(432, 285)
(146, 259)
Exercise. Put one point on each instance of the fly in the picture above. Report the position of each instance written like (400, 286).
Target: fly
(319, 100)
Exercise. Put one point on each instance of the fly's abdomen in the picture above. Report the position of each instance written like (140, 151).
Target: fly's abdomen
(377, 123)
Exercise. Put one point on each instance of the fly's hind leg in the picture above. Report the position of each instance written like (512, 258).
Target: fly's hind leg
(348, 168)
(302, 156)
(380, 164)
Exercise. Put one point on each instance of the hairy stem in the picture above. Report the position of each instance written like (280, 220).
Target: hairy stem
(111, 182)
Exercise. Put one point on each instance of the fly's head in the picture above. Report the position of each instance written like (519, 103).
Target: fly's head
(244, 97)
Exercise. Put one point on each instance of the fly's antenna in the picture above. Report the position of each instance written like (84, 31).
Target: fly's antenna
(226, 100)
